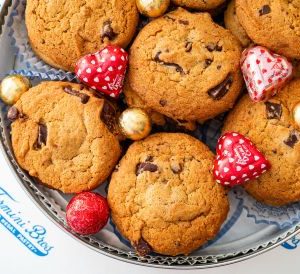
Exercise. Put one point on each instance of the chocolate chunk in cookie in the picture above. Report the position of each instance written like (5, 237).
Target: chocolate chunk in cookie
(273, 110)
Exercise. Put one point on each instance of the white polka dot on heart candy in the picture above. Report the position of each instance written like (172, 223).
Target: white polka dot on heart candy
(232, 178)
(99, 69)
(229, 142)
(93, 62)
(93, 87)
(251, 167)
(120, 67)
(234, 134)
(110, 68)
(88, 70)
(85, 79)
(226, 183)
(246, 180)
(256, 158)
(217, 173)
(112, 95)
(263, 166)
(244, 176)
(107, 79)
(104, 87)
(96, 79)
(241, 141)
(218, 181)
(105, 51)
(220, 147)
(226, 169)
(238, 168)
(123, 58)
(122, 50)
(113, 58)
(231, 160)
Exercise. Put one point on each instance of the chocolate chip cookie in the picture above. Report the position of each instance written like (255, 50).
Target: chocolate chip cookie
(233, 24)
(271, 127)
(134, 100)
(163, 197)
(60, 32)
(274, 24)
(64, 136)
(185, 66)
(199, 4)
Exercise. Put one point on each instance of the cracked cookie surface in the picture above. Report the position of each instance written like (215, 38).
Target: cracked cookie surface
(199, 4)
(163, 196)
(60, 32)
(61, 135)
(271, 128)
(185, 66)
(274, 24)
(233, 24)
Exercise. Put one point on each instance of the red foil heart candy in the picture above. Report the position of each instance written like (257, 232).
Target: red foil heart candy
(104, 70)
(264, 72)
(238, 160)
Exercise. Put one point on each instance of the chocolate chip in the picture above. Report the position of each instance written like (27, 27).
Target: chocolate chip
(183, 22)
(176, 168)
(219, 67)
(214, 47)
(109, 116)
(219, 91)
(81, 87)
(163, 102)
(149, 159)
(141, 167)
(107, 31)
(292, 139)
(142, 247)
(207, 63)
(84, 98)
(176, 66)
(188, 46)
(42, 136)
(13, 114)
(170, 18)
(273, 110)
(264, 10)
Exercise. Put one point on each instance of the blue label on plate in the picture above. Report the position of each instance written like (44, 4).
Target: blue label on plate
(292, 243)
(33, 237)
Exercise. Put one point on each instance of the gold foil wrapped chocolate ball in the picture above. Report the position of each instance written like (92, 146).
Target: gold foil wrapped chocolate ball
(135, 123)
(12, 87)
(296, 115)
(152, 8)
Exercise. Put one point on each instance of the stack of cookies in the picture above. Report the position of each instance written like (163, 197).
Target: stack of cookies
(168, 192)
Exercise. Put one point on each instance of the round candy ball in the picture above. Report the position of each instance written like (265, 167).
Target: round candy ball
(296, 115)
(152, 8)
(135, 123)
(12, 87)
(87, 213)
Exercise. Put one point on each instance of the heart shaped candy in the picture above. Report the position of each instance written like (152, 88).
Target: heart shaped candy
(104, 70)
(238, 160)
(264, 72)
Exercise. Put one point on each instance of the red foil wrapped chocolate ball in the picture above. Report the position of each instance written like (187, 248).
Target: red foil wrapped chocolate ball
(87, 213)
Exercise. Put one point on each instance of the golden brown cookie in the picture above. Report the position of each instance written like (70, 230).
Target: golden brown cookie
(199, 4)
(274, 24)
(163, 196)
(185, 66)
(232, 23)
(61, 135)
(133, 100)
(60, 32)
(270, 126)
